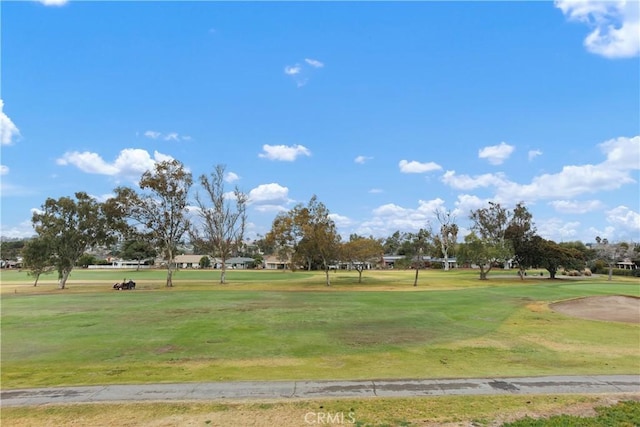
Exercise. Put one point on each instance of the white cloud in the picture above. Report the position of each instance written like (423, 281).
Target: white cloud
(622, 153)
(102, 197)
(54, 2)
(622, 156)
(388, 218)
(269, 194)
(376, 191)
(417, 167)
(152, 134)
(496, 154)
(284, 152)
(130, 163)
(299, 72)
(572, 181)
(362, 159)
(615, 25)
(24, 230)
(466, 203)
(532, 154)
(8, 130)
(429, 207)
(171, 136)
(466, 182)
(231, 177)
(4, 170)
(340, 221)
(558, 230)
(292, 70)
(576, 207)
(314, 63)
(270, 208)
(87, 162)
(627, 219)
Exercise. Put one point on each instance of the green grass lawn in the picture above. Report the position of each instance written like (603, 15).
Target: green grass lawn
(283, 325)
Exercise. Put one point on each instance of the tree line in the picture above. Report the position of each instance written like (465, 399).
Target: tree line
(155, 218)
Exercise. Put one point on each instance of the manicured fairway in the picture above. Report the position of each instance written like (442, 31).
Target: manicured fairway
(263, 326)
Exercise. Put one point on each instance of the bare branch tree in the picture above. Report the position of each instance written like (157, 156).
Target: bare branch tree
(448, 235)
(223, 223)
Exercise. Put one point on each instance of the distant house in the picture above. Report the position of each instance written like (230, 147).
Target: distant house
(122, 263)
(389, 261)
(365, 265)
(11, 264)
(272, 262)
(191, 261)
(240, 263)
(627, 264)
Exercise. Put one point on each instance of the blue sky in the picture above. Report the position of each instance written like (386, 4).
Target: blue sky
(386, 111)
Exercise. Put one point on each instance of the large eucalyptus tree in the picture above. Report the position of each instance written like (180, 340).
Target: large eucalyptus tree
(68, 227)
(310, 233)
(160, 208)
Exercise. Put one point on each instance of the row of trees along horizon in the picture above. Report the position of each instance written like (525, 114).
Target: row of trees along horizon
(158, 217)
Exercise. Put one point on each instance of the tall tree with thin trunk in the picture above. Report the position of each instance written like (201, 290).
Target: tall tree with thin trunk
(416, 246)
(360, 251)
(223, 218)
(448, 235)
(70, 227)
(281, 239)
(160, 209)
(519, 233)
(321, 231)
(37, 258)
(487, 245)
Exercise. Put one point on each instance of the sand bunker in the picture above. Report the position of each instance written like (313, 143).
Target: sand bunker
(616, 308)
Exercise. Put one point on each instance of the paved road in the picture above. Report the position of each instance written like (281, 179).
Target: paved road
(321, 389)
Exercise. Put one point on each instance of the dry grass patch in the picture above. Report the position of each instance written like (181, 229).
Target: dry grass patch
(423, 411)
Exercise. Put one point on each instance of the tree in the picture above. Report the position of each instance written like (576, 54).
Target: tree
(70, 227)
(160, 210)
(489, 229)
(265, 246)
(553, 256)
(448, 235)
(138, 249)
(86, 260)
(281, 238)
(611, 253)
(205, 262)
(520, 232)
(308, 233)
(481, 252)
(392, 243)
(419, 246)
(222, 226)
(11, 249)
(359, 251)
(321, 232)
(37, 258)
